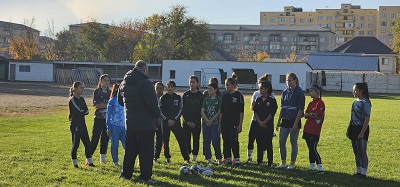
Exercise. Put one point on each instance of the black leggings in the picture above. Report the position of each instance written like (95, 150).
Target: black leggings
(252, 135)
(99, 131)
(312, 143)
(231, 141)
(79, 134)
(178, 132)
(159, 141)
(188, 132)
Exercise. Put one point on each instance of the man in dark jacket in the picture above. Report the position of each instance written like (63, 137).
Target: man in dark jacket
(141, 112)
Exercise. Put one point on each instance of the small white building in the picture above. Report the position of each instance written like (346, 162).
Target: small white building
(31, 71)
(180, 71)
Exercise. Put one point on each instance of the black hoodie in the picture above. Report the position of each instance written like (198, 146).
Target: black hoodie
(140, 101)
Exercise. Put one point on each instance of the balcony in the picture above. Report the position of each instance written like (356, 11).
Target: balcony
(307, 42)
(228, 41)
(344, 21)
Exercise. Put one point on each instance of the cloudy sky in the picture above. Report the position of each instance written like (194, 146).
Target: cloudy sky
(65, 12)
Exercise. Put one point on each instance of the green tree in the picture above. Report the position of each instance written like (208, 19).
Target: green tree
(64, 43)
(396, 41)
(95, 35)
(173, 35)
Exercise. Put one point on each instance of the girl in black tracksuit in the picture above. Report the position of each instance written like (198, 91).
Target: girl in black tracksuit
(191, 114)
(171, 108)
(231, 119)
(77, 111)
(100, 100)
(264, 111)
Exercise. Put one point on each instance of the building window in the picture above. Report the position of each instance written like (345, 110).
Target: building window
(284, 39)
(265, 39)
(237, 38)
(320, 17)
(383, 23)
(328, 17)
(336, 17)
(272, 20)
(393, 16)
(384, 15)
(328, 25)
(385, 61)
(383, 39)
(264, 20)
(302, 20)
(362, 18)
(292, 20)
(370, 33)
(337, 25)
(24, 68)
(392, 23)
(220, 37)
(246, 38)
(370, 25)
(361, 33)
(370, 18)
(322, 39)
(172, 74)
(361, 25)
(275, 39)
(383, 31)
(282, 78)
(228, 37)
(310, 20)
(294, 39)
(281, 20)
(319, 25)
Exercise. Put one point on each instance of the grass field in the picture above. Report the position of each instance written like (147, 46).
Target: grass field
(35, 151)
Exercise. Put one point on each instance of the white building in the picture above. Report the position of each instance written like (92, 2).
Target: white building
(180, 71)
(31, 71)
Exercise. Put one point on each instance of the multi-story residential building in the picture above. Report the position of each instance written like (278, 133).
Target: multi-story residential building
(387, 16)
(347, 22)
(277, 40)
(10, 31)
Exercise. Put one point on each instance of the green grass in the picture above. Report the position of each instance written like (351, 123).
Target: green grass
(35, 151)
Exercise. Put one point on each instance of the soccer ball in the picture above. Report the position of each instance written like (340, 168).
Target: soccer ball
(195, 169)
(184, 170)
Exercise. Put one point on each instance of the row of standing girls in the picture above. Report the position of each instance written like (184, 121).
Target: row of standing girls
(221, 115)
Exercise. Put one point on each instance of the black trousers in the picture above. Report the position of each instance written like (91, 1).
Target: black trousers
(231, 140)
(178, 132)
(188, 132)
(312, 143)
(139, 143)
(264, 142)
(252, 135)
(159, 141)
(99, 131)
(79, 134)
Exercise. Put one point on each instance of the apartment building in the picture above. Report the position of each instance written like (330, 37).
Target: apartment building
(387, 16)
(277, 40)
(347, 22)
(9, 31)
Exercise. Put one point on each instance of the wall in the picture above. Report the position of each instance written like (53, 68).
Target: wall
(377, 83)
(38, 71)
(185, 68)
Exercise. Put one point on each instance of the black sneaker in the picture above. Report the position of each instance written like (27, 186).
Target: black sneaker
(76, 166)
(168, 160)
(357, 174)
(361, 176)
(320, 172)
(91, 165)
(249, 159)
(259, 164)
(237, 164)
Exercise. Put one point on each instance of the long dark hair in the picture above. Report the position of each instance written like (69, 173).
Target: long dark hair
(214, 80)
(101, 78)
(114, 90)
(76, 84)
(364, 87)
(267, 85)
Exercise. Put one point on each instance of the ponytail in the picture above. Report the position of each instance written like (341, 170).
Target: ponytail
(364, 87)
(76, 84)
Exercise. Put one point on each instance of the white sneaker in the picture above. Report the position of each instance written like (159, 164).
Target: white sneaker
(291, 167)
(282, 166)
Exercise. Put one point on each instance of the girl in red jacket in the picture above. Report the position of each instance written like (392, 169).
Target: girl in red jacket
(315, 117)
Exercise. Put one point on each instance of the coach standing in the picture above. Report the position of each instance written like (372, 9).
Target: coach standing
(141, 113)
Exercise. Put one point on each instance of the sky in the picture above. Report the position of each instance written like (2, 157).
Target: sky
(58, 14)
